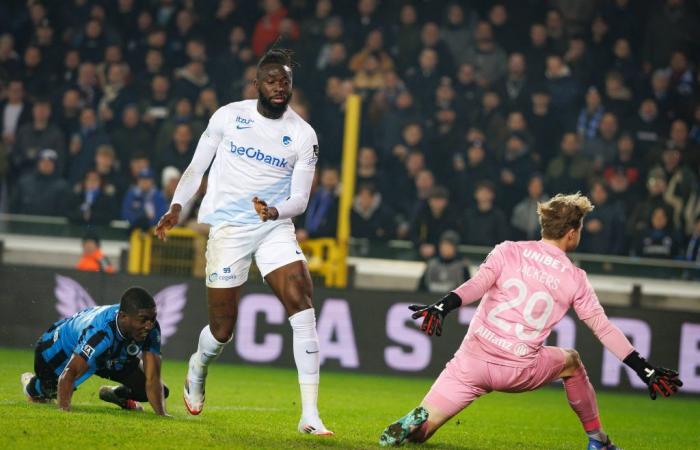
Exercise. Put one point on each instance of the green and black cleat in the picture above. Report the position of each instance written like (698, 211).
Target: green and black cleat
(397, 432)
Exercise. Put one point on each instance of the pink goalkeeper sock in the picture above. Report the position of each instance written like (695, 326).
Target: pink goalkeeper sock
(582, 399)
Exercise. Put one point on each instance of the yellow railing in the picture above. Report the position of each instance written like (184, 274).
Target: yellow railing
(182, 254)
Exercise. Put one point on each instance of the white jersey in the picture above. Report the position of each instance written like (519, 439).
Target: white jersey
(253, 156)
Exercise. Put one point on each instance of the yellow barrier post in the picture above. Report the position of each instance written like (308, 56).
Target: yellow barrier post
(135, 249)
(350, 143)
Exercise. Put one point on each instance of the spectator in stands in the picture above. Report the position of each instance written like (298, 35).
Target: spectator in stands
(93, 259)
(182, 113)
(485, 224)
(207, 104)
(647, 127)
(468, 91)
(406, 35)
(536, 53)
(423, 79)
(619, 98)
(671, 27)
(515, 88)
(35, 136)
(321, 216)
(661, 239)
(267, 27)
(681, 183)
(15, 111)
(190, 80)
(656, 188)
(370, 217)
(107, 167)
(368, 171)
(568, 172)
(516, 168)
(131, 135)
(624, 174)
(545, 126)
(433, 217)
(604, 227)
(563, 87)
(143, 203)
(155, 105)
(41, 192)
(83, 145)
(456, 30)
(525, 221)
(68, 116)
(470, 168)
(491, 120)
(590, 116)
(488, 58)
(446, 270)
(181, 149)
(602, 149)
(116, 94)
(93, 202)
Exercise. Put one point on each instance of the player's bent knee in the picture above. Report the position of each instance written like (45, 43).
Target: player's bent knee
(222, 332)
(573, 359)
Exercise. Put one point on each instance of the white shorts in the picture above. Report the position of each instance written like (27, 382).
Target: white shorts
(230, 250)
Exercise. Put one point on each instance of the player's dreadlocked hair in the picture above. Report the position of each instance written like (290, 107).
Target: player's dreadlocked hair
(562, 213)
(136, 298)
(283, 56)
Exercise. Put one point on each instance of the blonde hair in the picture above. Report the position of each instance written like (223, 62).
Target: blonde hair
(562, 213)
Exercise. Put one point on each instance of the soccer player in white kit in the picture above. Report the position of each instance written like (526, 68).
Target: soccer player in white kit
(525, 289)
(264, 156)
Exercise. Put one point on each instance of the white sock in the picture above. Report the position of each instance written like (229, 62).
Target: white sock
(208, 349)
(307, 359)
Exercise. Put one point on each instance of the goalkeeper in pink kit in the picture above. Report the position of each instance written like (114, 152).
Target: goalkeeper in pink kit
(526, 288)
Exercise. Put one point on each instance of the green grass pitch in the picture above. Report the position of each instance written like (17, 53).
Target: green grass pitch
(257, 408)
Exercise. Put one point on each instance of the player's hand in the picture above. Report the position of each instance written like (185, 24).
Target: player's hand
(169, 220)
(265, 212)
(659, 380)
(662, 381)
(434, 314)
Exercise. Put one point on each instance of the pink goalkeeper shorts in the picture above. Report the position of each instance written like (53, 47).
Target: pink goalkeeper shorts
(466, 378)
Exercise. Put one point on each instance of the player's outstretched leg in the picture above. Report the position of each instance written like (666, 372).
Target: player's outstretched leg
(396, 433)
(308, 361)
(208, 349)
(582, 400)
(31, 386)
(111, 394)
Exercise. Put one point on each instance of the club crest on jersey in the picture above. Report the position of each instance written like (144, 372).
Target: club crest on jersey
(286, 140)
(132, 349)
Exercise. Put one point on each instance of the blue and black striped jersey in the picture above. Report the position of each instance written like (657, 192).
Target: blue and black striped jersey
(93, 335)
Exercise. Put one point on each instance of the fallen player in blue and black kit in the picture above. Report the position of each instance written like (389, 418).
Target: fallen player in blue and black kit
(118, 342)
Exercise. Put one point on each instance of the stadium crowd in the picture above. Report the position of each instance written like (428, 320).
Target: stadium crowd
(472, 111)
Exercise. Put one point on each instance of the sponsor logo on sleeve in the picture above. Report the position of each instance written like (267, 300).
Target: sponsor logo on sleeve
(88, 351)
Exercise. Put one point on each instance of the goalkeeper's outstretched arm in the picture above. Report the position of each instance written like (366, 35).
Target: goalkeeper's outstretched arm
(659, 380)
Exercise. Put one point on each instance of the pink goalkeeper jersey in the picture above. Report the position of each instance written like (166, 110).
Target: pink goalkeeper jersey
(526, 288)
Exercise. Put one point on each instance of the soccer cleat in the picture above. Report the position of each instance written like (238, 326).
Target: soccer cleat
(594, 444)
(314, 427)
(107, 394)
(397, 432)
(24, 379)
(193, 393)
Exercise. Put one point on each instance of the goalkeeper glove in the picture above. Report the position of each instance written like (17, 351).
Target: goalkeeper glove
(658, 379)
(434, 314)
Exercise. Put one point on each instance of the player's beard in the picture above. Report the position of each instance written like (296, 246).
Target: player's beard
(275, 108)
